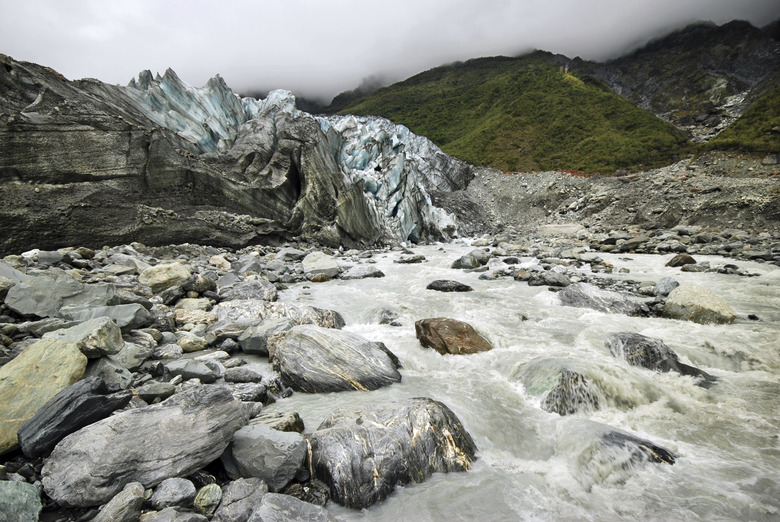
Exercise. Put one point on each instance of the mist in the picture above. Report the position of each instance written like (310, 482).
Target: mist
(319, 49)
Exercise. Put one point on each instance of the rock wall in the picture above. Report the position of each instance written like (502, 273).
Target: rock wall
(157, 161)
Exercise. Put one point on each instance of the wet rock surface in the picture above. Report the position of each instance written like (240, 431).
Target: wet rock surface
(364, 455)
(450, 336)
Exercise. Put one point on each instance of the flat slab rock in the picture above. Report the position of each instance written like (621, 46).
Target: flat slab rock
(364, 454)
(317, 360)
(145, 445)
(696, 303)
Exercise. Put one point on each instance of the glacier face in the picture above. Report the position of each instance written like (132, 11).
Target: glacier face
(394, 168)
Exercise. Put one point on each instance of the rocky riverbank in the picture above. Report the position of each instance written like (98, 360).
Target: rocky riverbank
(109, 356)
(720, 203)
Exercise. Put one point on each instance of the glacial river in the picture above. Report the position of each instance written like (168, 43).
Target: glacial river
(535, 465)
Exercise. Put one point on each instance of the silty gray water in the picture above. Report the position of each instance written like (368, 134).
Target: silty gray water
(539, 465)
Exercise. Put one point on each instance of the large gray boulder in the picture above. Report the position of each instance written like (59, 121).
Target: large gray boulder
(145, 445)
(19, 501)
(173, 492)
(364, 454)
(584, 295)
(30, 380)
(275, 507)
(696, 303)
(126, 316)
(253, 289)
(165, 275)
(263, 452)
(95, 338)
(43, 296)
(246, 312)
(317, 360)
(473, 259)
(78, 405)
(255, 338)
(318, 263)
(239, 499)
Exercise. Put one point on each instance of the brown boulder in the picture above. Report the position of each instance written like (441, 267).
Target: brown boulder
(450, 336)
(681, 260)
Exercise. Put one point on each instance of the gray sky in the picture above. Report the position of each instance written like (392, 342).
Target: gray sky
(323, 47)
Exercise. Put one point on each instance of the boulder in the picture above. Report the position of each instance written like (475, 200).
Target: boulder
(78, 405)
(313, 359)
(239, 499)
(43, 296)
(259, 451)
(152, 390)
(362, 455)
(639, 449)
(288, 254)
(208, 499)
(450, 336)
(275, 507)
(132, 355)
(653, 354)
(253, 289)
(5, 286)
(696, 303)
(584, 295)
(571, 394)
(320, 263)
(19, 501)
(111, 372)
(190, 342)
(12, 274)
(30, 380)
(144, 445)
(254, 340)
(190, 369)
(473, 259)
(362, 272)
(173, 492)
(282, 421)
(681, 260)
(165, 275)
(125, 506)
(250, 311)
(127, 316)
(446, 285)
(95, 338)
(549, 278)
(665, 285)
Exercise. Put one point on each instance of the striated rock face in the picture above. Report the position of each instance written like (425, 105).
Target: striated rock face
(314, 359)
(87, 163)
(89, 467)
(364, 454)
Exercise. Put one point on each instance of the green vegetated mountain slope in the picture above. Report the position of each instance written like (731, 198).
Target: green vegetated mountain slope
(696, 76)
(526, 113)
(757, 130)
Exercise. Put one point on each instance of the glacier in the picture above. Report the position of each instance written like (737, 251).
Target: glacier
(394, 168)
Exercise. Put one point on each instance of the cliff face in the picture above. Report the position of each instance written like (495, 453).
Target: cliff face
(160, 162)
(701, 78)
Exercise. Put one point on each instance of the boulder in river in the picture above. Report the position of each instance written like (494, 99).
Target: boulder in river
(447, 285)
(653, 354)
(473, 259)
(450, 336)
(30, 380)
(318, 263)
(362, 272)
(315, 360)
(549, 278)
(239, 499)
(145, 445)
(681, 260)
(78, 405)
(275, 507)
(364, 454)
(571, 394)
(584, 295)
(696, 303)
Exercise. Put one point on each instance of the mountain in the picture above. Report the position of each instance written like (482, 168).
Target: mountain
(700, 78)
(160, 162)
(545, 112)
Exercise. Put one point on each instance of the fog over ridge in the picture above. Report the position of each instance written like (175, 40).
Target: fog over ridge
(318, 49)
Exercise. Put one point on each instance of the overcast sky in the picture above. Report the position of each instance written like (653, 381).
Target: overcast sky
(323, 47)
